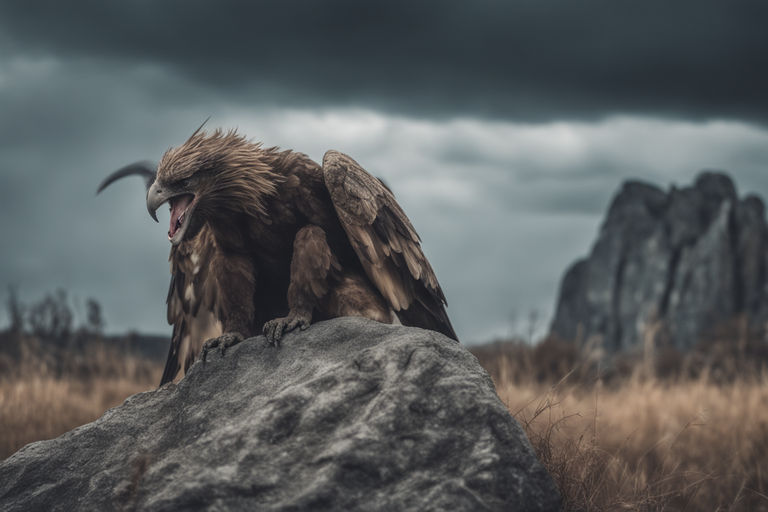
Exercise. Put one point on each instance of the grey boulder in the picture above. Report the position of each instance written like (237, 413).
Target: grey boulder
(347, 415)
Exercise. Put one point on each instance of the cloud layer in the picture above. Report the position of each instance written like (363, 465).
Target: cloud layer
(534, 61)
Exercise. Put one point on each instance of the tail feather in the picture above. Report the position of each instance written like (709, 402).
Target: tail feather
(172, 365)
(433, 318)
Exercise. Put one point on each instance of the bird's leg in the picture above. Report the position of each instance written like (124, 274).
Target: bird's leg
(311, 266)
(235, 279)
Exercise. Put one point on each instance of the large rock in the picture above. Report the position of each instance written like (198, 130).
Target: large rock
(348, 415)
(683, 262)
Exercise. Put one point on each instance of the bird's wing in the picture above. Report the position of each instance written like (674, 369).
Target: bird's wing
(192, 307)
(386, 243)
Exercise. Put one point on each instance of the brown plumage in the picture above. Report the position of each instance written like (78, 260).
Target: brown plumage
(267, 240)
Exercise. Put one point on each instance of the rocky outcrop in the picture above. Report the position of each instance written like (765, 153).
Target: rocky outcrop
(348, 415)
(687, 261)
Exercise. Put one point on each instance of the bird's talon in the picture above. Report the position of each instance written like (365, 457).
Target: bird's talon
(207, 346)
(274, 329)
(223, 342)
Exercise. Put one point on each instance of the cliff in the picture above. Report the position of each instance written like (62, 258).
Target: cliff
(685, 262)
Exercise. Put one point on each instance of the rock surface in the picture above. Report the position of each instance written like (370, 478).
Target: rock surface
(348, 415)
(687, 261)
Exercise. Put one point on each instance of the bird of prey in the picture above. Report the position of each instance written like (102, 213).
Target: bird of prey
(264, 240)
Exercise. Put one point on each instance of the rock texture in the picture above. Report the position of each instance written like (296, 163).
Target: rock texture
(687, 261)
(348, 415)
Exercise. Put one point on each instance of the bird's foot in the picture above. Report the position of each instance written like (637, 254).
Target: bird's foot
(274, 329)
(222, 343)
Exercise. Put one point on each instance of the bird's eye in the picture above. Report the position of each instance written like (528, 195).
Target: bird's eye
(185, 182)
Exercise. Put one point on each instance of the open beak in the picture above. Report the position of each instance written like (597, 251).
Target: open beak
(182, 205)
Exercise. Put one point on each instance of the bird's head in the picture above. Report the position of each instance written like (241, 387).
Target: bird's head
(208, 178)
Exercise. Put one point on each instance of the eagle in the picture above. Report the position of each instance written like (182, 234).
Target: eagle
(265, 240)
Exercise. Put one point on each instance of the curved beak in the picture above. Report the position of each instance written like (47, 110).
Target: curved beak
(156, 196)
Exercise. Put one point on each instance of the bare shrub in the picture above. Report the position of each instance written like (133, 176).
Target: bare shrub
(51, 318)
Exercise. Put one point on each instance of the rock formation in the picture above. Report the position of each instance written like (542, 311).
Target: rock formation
(348, 415)
(685, 262)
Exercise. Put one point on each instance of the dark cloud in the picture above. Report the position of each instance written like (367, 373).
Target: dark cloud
(524, 59)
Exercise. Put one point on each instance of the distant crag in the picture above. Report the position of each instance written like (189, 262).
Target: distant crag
(350, 415)
(684, 263)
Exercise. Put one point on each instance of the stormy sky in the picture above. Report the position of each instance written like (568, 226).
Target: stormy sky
(504, 128)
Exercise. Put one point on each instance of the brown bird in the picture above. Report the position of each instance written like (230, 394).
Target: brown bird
(268, 241)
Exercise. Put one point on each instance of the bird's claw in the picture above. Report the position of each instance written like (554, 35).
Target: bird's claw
(223, 342)
(274, 329)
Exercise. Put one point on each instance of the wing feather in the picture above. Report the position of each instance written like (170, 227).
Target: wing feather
(385, 241)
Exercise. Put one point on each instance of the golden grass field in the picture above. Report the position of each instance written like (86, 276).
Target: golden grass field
(637, 443)
(650, 445)
(42, 400)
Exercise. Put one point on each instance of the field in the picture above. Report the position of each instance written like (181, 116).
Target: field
(649, 444)
(661, 431)
(642, 438)
(41, 398)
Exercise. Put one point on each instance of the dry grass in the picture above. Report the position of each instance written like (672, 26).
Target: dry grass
(42, 400)
(650, 445)
(646, 437)
(45, 407)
